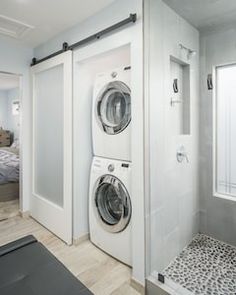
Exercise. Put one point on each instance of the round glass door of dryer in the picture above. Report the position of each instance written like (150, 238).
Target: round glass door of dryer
(112, 204)
(114, 107)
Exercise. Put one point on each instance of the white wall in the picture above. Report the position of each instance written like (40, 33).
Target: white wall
(109, 16)
(173, 209)
(15, 58)
(116, 12)
(13, 123)
(217, 216)
(84, 78)
(3, 109)
(8, 121)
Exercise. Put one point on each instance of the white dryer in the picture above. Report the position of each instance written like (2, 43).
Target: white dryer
(112, 114)
(110, 207)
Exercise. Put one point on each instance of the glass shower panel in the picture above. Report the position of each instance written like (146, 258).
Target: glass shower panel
(225, 130)
(48, 135)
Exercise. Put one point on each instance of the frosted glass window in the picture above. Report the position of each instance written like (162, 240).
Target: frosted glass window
(48, 134)
(226, 130)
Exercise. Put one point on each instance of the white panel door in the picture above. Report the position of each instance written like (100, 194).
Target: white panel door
(51, 203)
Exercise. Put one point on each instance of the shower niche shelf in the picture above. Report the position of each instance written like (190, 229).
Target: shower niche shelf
(180, 96)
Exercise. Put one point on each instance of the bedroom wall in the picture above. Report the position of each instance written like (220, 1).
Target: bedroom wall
(13, 120)
(116, 12)
(9, 121)
(3, 109)
(15, 58)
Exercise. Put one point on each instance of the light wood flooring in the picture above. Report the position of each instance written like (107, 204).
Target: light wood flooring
(9, 209)
(102, 274)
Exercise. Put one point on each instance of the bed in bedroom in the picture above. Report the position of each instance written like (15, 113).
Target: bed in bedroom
(9, 173)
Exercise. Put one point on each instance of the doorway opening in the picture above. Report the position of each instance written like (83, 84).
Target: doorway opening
(10, 114)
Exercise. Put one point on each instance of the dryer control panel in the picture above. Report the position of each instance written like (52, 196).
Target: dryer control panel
(111, 168)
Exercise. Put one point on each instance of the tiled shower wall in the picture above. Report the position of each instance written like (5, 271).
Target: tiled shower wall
(174, 201)
(217, 216)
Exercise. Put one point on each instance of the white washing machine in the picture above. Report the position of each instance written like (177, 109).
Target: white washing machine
(112, 114)
(110, 207)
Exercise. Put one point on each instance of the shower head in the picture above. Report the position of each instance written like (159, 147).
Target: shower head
(190, 53)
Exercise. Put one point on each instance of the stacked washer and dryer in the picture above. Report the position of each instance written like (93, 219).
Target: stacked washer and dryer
(110, 204)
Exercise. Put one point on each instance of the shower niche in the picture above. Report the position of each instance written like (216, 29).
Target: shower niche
(180, 96)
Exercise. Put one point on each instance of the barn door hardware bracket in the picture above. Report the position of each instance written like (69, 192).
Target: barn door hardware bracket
(65, 46)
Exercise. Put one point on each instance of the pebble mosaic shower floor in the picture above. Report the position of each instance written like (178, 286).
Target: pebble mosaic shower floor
(206, 266)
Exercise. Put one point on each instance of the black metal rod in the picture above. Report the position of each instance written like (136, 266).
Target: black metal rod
(131, 19)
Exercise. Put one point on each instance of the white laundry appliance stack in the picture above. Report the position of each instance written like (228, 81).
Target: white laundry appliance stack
(110, 203)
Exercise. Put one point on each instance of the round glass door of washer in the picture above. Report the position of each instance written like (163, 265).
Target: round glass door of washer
(112, 204)
(114, 107)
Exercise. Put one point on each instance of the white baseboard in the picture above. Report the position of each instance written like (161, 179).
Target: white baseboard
(25, 214)
(137, 286)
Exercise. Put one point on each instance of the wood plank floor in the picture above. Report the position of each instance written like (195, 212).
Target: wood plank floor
(9, 209)
(102, 274)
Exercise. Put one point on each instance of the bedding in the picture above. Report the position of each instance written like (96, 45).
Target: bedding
(16, 144)
(9, 165)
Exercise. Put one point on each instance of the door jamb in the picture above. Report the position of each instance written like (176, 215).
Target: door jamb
(21, 184)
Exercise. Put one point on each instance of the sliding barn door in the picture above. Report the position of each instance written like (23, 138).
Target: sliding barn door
(51, 203)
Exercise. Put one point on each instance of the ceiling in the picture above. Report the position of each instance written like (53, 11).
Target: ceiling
(49, 17)
(8, 81)
(206, 15)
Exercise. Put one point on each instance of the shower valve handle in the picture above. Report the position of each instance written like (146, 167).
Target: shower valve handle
(181, 155)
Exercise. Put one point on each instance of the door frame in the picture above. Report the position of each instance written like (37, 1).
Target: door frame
(21, 183)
